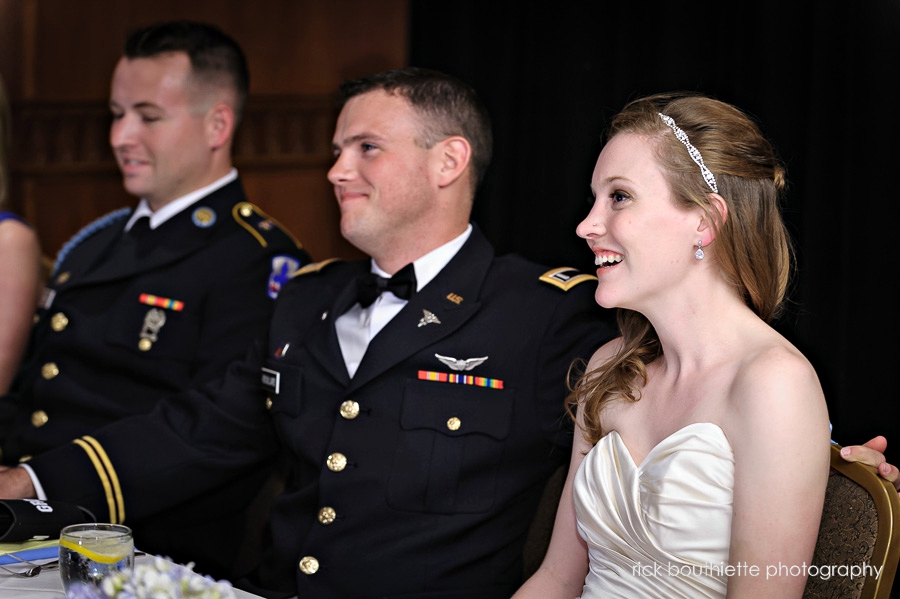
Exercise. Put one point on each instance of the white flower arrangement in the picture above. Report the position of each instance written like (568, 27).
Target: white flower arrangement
(157, 578)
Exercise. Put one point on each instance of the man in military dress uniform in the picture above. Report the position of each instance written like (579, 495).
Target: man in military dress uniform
(421, 413)
(148, 302)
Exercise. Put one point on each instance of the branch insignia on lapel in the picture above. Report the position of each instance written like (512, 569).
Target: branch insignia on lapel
(428, 318)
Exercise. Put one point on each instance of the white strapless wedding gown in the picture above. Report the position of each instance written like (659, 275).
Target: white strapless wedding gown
(661, 528)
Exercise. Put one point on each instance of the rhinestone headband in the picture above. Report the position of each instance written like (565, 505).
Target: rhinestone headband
(694, 152)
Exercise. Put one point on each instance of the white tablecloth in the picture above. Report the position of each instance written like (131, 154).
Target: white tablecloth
(48, 584)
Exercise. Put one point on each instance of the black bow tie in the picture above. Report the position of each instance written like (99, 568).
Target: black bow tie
(402, 284)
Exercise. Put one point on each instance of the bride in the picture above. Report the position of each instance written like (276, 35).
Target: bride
(678, 484)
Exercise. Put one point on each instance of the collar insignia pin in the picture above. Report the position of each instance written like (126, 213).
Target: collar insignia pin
(204, 217)
(428, 318)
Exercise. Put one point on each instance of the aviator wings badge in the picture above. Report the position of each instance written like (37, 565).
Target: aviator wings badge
(456, 364)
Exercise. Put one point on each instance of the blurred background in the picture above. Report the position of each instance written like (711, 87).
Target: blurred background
(820, 77)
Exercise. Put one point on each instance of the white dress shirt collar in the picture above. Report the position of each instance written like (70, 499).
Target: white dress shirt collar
(358, 326)
(176, 206)
(428, 266)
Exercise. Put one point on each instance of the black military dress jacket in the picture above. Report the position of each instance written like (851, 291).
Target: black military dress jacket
(419, 476)
(127, 320)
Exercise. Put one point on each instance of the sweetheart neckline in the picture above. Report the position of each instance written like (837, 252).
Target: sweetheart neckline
(637, 466)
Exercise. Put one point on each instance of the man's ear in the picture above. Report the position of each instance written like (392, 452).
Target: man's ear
(453, 156)
(719, 213)
(220, 123)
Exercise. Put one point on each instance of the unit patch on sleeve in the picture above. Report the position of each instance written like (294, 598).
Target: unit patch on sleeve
(283, 268)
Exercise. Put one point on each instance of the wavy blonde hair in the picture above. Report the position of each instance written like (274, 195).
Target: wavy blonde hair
(752, 248)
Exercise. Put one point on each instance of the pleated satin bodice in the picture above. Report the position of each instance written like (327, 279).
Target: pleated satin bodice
(661, 528)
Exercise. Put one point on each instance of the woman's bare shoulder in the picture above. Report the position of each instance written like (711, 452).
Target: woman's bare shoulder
(604, 353)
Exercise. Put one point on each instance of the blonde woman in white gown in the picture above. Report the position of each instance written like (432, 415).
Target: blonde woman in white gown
(679, 484)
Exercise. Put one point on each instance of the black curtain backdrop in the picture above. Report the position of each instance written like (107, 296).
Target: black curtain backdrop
(820, 77)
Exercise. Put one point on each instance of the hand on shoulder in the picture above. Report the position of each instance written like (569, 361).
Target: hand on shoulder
(872, 453)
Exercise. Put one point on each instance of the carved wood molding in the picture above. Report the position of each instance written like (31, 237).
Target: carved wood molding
(277, 132)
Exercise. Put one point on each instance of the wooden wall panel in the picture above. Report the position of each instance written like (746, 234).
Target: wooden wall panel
(308, 209)
(56, 57)
(11, 44)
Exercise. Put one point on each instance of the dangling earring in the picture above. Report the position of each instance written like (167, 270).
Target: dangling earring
(699, 253)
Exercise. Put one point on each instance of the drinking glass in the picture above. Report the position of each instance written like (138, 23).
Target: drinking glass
(88, 552)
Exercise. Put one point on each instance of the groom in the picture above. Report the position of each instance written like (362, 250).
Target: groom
(408, 474)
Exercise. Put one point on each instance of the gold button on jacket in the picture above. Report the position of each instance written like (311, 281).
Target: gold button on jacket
(309, 565)
(349, 409)
(336, 462)
(59, 322)
(39, 418)
(216, 285)
(327, 515)
(49, 370)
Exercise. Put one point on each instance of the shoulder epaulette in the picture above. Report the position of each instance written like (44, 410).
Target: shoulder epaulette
(566, 277)
(258, 223)
(86, 231)
(315, 266)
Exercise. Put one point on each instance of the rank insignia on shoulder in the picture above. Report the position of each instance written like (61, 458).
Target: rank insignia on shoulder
(258, 223)
(315, 266)
(566, 277)
(283, 268)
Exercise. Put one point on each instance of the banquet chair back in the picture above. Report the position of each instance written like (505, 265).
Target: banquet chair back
(859, 536)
